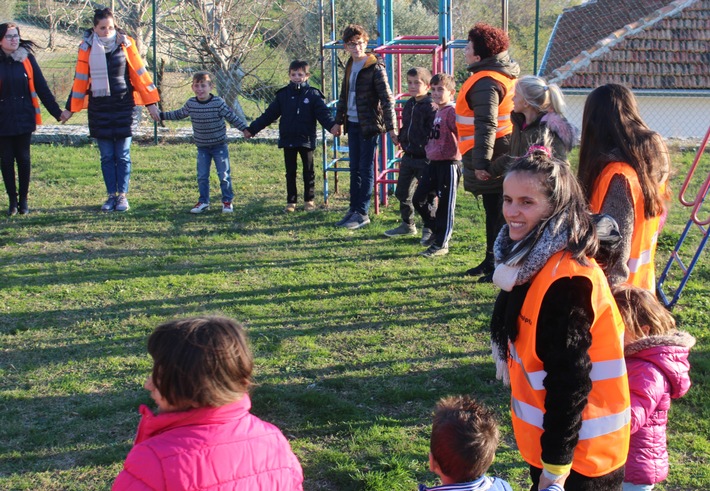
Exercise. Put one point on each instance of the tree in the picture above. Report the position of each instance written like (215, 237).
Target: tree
(222, 35)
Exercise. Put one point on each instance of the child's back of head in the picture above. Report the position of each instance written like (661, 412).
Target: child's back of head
(200, 361)
(464, 438)
(642, 313)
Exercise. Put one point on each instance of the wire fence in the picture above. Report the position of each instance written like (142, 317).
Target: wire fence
(183, 46)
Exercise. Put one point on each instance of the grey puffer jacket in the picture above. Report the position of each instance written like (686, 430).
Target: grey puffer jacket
(483, 98)
(549, 129)
(375, 102)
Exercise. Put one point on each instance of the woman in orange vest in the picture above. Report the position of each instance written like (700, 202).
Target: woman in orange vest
(556, 332)
(22, 86)
(111, 79)
(623, 169)
(483, 109)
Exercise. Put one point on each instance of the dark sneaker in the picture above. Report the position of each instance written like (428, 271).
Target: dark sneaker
(357, 221)
(227, 207)
(486, 278)
(122, 203)
(23, 208)
(402, 229)
(345, 219)
(486, 267)
(12, 210)
(109, 204)
(427, 237)
(199, 207)
(434, 250)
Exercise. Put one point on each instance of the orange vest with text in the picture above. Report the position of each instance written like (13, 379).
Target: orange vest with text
(464, 114)
(33, 93)
(604, 436)
(642, 257)
(144, 91)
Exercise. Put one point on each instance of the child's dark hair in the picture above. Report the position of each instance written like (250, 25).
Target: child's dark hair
(202, 76)
(488, 40)
(299, 65)
(640, 308)
(200, 361)
(101, 14)
(353, 30)
(444, 79)
(421, 73)
(464, 438)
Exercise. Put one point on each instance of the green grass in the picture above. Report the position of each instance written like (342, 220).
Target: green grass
(355, 336)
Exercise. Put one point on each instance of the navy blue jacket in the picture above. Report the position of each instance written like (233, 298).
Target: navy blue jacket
(299, 106)
(17, 114)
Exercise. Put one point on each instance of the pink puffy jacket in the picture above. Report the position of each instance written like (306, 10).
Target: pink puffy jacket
(658, 372)
(222, 448)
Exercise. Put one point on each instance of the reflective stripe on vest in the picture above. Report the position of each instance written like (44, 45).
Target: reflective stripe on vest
(33, 93)
(604, 438)
(464, 114)
(144, 90)
(641, 262)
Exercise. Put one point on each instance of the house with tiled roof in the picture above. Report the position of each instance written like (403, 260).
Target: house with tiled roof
(659, 48)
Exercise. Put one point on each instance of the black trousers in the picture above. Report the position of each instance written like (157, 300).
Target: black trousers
(309, 176)
(577, 482)
(410, 172)
(16, 149)
(442, 178)
(493, 206)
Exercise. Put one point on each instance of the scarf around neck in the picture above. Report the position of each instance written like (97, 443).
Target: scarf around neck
(98, 67)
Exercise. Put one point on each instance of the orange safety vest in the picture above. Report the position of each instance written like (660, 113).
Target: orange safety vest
(604, 436)
(33, 93)
(642, 257)
(144, 91)
(464, 114)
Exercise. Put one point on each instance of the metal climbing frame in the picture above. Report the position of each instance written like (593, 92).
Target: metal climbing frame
(695, 222)
(439, 47)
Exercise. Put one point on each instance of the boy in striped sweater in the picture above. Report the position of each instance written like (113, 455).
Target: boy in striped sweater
(207, 113)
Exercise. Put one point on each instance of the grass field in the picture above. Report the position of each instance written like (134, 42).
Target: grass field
(355, 336)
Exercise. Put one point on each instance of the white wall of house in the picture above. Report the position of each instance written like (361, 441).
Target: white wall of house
(673, 116)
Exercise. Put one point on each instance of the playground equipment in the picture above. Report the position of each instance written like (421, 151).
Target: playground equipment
(695, 222)
(440, 48)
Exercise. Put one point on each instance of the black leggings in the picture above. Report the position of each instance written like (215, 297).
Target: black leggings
(15, 149)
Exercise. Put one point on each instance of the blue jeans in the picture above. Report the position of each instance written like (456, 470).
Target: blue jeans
(638, 487)
(220, 155)
(115, 163)
(362, 170)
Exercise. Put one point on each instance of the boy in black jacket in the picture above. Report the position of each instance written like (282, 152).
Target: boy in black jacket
(417, 119)
(299, 106)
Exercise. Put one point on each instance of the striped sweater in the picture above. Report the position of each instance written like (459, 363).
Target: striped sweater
(207, 117)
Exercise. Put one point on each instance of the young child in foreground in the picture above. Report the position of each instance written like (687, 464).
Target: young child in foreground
(464, 438)
(203, 436)
(207, 113)
(417, 119)
(443, 173)
(299, 106)
(657, 364)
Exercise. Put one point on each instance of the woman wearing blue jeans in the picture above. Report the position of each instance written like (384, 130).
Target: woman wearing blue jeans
(112, 75)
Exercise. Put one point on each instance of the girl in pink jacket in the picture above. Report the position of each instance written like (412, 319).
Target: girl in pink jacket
(657, 365)
(203, 436)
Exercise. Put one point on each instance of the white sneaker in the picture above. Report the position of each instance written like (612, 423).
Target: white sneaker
(227, 207)
(199, 207)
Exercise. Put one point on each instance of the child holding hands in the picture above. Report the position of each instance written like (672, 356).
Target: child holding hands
(657, 364)
(207, 113)
(299, 106)
(203, 436)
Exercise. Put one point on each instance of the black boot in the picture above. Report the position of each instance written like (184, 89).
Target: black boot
(485, 268)
(12, 210)
(24, 209)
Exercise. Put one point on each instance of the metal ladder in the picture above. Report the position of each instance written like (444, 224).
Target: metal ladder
(694, 223)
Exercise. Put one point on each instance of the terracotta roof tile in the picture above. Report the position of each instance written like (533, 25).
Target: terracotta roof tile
(666, 49)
